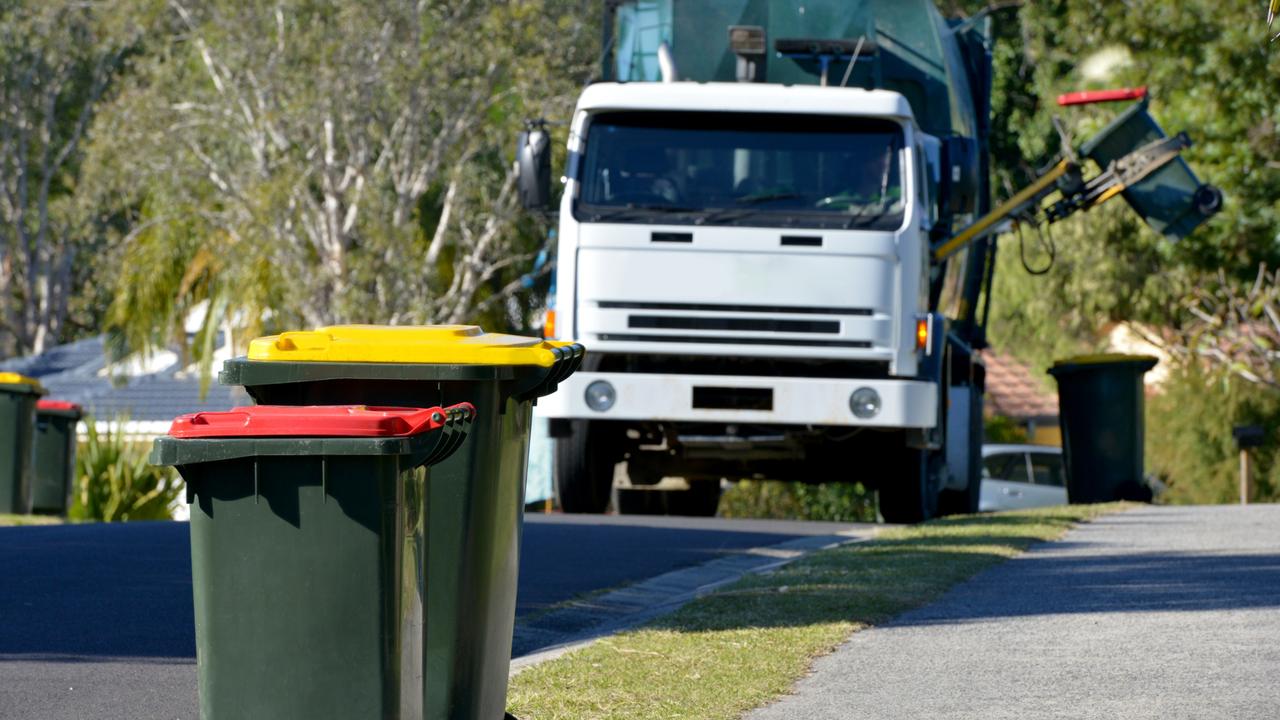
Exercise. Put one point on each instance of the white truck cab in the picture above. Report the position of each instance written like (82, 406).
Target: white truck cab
(748, 265)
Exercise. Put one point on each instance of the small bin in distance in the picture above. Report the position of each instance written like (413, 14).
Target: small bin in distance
(18, 397)
(54, 457)
(1101, 400)
(307, 533)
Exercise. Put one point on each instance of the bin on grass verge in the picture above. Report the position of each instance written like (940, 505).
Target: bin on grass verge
(1100, 400)
(54, 456)
(18, 396)
(476, 499)
(306, 532)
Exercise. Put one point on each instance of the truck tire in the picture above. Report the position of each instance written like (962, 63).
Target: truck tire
(912, 496)
(965, 502)
(583, 466)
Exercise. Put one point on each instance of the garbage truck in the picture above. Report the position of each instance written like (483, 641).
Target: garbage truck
(775, 237)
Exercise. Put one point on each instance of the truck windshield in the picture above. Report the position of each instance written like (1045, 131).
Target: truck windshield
(723, 168)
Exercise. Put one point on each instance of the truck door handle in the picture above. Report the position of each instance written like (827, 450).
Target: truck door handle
(1012, 493)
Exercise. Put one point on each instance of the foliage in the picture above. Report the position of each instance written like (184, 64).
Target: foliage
(841, 502)
(56, 62)
(1189, 442)
(1000, 429)
(1201, 61)
(115, 482)
(347, 163)
(1236, 328)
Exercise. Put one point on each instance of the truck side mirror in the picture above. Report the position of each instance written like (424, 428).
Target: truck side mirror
(533, 167)
(960, 171)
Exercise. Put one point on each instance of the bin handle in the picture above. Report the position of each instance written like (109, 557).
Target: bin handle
(454, 427)
(567, 361)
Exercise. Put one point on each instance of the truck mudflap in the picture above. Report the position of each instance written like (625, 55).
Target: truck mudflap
(743, 399)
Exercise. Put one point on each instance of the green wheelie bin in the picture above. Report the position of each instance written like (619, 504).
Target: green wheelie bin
(55, 456)
(476, 500)
(18, 397)
(1100, 402)
(306, 532)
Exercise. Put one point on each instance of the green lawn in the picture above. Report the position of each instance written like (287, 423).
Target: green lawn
(12, 520)
(746, 645)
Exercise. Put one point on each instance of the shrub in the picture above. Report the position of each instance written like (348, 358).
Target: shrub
(1001, 429)
(115, 483)
(1189, 443)
(842, 502)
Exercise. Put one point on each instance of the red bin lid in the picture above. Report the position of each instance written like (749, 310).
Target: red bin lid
(57, 405)
(312, 421)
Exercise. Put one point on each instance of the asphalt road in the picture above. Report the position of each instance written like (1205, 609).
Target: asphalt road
(96, 620)
(1155, 613)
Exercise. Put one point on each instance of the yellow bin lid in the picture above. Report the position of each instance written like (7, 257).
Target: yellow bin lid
(425, 344)
(12, 378)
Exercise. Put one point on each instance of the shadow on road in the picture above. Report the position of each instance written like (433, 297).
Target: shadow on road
(893, 580)
(1136, 582)
(96, 592)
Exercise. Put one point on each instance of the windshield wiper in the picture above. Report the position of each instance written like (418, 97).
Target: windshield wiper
(615, 212)
(865, 219)
(768, 197)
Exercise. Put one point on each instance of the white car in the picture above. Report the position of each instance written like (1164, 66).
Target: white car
(1022, 476)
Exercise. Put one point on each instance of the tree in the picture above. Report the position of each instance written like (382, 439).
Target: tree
(341, 162)
(56, 62)
(1200, 60)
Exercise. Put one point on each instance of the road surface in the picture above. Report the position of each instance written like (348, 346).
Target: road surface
(96, 620)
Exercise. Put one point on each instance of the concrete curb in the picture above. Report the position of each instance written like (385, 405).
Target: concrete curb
(581, 623)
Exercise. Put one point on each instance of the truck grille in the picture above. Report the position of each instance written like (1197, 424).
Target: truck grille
(685, 322)
(734, 340)
(704, 307)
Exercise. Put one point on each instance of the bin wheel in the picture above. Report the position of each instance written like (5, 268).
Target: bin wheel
(912, 496)
(966, 501)
(584, 468)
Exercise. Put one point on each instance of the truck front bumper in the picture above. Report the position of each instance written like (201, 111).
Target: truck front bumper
(790, 401)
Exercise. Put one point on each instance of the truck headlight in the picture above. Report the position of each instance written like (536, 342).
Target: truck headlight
(600, 395)
(865, 403)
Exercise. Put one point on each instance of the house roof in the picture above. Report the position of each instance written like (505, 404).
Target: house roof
(78, 372)
(1014, 391)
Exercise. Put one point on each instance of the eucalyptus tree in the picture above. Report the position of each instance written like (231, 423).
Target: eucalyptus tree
(57, 60)
(307, 162)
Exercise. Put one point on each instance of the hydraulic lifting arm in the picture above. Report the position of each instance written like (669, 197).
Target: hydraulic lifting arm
(1182, 203)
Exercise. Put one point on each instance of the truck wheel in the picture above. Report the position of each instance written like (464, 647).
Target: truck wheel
(912, 497)
(584, 468)
(965, 502)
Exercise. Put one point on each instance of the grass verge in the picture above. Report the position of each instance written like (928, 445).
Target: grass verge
(737, 649)
(13, 520)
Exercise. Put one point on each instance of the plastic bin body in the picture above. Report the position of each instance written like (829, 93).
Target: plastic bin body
(308, 585)
(1166, 199)
(18, 397)
(54, 456)
(1101, 400)
(475, 500)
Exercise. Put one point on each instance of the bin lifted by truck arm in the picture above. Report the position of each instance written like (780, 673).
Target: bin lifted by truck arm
(1138, 161)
